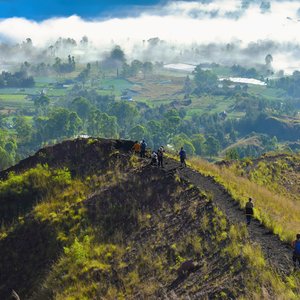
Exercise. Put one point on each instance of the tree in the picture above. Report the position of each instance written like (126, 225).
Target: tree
(126, 71)
(117, 54)
(109, 126)
(232, 153)
(205, 80)
(198, 141)
(265, 6)
(41, 103)
(84, 74)
(138, 132)
(147, 68)
(135, 67)
(75, 124)
(58, 123)
(126, 114)
(68, 67)
(40, 126)
(6, 159)
(84, 41)
(23, 129)
(171, 121)
(57, 64)
(82, 106)
(269, 59)
(187, 88)
(212, 145)
(157, 133)
(103, 125)
(18, 79)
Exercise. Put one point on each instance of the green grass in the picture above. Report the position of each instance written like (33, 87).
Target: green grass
(14, 101)
(118, 83)
(56, 92)
(20, 91)
(45, 80)
(272, 94)
(209, 104)
(10, 97)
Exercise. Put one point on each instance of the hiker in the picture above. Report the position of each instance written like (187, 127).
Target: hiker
(143, 148)
(249, 211)
(296, 252)
(154, 160)
(160, 156)
(182, 155)
(136, 147)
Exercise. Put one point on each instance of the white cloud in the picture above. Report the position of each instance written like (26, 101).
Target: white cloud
(184, 23)
(175, 24)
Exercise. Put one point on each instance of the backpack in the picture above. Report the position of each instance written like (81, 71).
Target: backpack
(297, 248)
(249, 208)
(182, 154)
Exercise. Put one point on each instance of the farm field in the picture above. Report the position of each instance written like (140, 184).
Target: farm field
(14, 101)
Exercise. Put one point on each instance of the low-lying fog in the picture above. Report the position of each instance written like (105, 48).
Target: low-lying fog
(192, 32)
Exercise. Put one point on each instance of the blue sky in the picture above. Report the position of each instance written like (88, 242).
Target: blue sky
(44, 9)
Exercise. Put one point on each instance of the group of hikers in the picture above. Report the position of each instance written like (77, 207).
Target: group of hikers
(157, 157)
(140, 148)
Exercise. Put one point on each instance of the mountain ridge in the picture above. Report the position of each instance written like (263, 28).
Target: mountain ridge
(124, 228)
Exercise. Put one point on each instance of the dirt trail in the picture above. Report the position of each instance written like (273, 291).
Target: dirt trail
(276, 252)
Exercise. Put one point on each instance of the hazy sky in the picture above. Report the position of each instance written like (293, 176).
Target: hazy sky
(180, 22)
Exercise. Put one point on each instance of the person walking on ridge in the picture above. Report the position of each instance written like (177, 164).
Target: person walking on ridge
(182, 155)
(136, 148)
(154, 159)
(296, 252)
(249, 211)
(143, 148)
(160, 156)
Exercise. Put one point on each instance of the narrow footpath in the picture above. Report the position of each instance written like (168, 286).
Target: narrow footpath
(278, 253)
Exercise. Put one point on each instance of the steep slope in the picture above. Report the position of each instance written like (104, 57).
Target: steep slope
(275, 251)
(113, 227)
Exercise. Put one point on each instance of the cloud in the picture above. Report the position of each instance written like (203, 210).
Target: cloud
(178, 23)
(175, 21)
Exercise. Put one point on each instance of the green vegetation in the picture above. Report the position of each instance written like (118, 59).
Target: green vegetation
(278, 173)
(277, 212)
(84, 250)
(86, 220)
(118, 96)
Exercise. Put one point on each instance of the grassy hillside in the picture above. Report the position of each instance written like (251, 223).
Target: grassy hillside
(86, 220)
(272, 182)
(278, 172)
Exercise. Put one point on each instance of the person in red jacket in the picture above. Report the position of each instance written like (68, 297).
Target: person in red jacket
(136, 147)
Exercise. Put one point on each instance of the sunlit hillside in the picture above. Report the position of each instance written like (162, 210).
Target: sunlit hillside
(87, 219)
